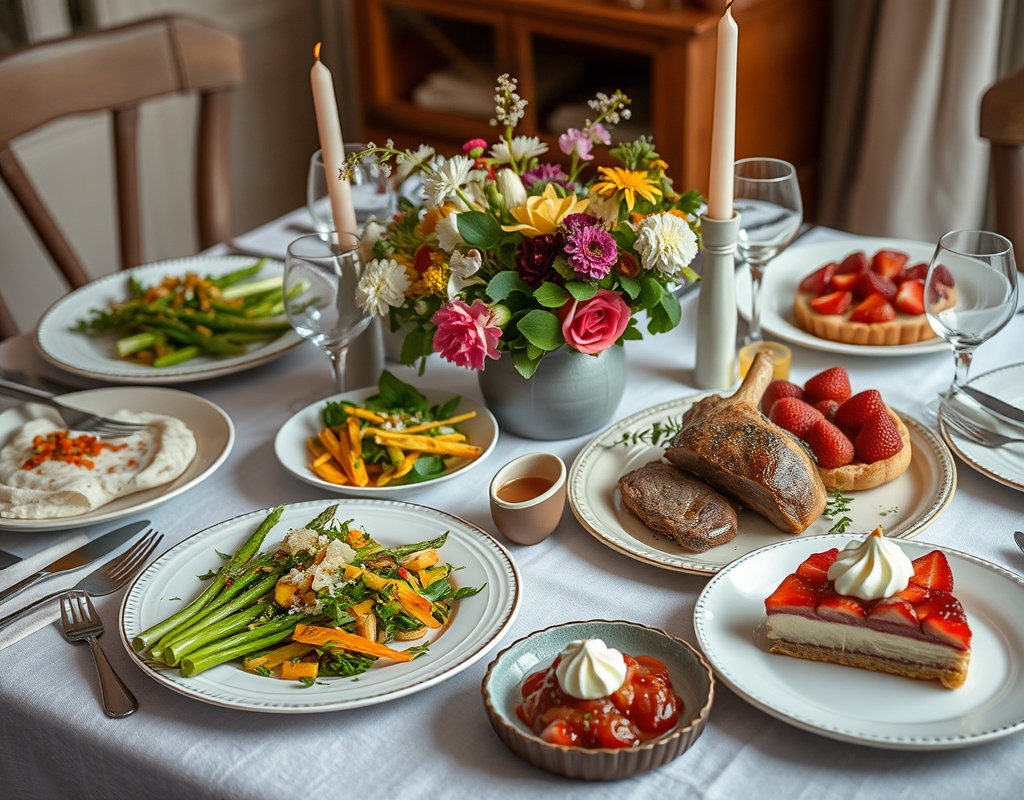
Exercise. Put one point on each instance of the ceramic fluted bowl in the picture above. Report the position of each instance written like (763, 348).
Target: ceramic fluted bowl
(691, 678)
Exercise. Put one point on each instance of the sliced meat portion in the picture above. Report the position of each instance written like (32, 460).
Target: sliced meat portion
(678, 505)
(734, 447)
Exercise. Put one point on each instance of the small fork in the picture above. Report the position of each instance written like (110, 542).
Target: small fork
(74, 418)
(81, 623)
(972, 431)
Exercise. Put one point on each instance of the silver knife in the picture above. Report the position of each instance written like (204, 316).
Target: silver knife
(8, 559)
(1000, 407)
(90, 551)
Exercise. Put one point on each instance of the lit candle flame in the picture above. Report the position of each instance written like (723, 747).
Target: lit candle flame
(316, 51)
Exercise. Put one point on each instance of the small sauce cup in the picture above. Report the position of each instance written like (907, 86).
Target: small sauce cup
(528, 496)
(782, 355)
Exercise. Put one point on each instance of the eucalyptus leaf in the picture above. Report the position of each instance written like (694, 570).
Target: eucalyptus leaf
(551, 295)
(504, 283)
(478, 229)
(581, 291)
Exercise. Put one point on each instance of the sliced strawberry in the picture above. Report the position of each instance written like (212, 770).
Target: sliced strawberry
(878, 439)
(932, 571)
(889, 262)
(832, 303)
(776, 391)
(560, 731)
(942, 275)
(916, 272)
(844, 282)
(870, 282)
(942, 617)
(840, 608)
(853, 413)
(827, 408)
(874, 309)
(794, 415)
(855, 263)
(815, 567)
(910, 297)
(831, 384)
(818, 280)
(895, 610)
(794, 593)
(913, 594)
(829, 445)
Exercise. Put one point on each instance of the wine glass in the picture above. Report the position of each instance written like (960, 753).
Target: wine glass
(321, 272)
(372, 192)
(970, 294)
(767, 196)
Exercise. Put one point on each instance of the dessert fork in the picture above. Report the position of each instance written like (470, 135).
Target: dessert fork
(972, 431)
(105, 579)
(73, 418)
(82, 624)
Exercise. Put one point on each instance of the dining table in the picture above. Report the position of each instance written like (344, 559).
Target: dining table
(55, 741)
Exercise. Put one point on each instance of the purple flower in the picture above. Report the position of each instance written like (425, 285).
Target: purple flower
(575, 221)
(599, 134)
(545, 173)
(592, 251)
(576, 142)
(535, 258)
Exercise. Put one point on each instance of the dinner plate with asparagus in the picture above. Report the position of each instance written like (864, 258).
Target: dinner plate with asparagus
(171, 321)
(320, 606)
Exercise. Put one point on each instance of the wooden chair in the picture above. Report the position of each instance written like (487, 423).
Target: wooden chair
(1002, 123)
(115, 70)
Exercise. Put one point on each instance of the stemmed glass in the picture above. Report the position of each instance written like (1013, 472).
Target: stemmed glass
(321, 272)
(970, 294)
(373, 195)
(767, 196)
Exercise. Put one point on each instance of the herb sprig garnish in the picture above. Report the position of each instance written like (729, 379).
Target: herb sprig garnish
(659, 432)
(838, 505)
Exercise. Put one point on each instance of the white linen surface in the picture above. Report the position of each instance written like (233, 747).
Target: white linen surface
(438, 743)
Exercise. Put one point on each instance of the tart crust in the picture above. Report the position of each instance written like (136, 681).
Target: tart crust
(858, 475)
(838, 327)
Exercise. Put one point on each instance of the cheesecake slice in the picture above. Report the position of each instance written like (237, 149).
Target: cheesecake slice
(919, 632)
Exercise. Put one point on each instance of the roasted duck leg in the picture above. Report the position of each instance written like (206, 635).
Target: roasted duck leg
(734, 447)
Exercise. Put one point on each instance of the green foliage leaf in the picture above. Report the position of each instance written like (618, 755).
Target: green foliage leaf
(533, 351)
(650, 291)
(504, 283)
(524, 364)
(395, 393)
(448, 409)
(624, 236)
(551, 295)
(542, 329)
(418, 343)
(333, 414)
(581, 291)
(670, 304)
(631, 286)
(478, 229)
(689, 202)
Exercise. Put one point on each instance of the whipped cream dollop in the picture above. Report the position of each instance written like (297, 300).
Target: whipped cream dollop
(871, 569)
(589, 669)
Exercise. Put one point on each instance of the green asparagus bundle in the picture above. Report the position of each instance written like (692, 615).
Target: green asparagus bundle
(181, 318)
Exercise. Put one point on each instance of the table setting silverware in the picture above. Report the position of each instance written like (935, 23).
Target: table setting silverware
(85, 554)
(993, 404)
(81, 623)
(1018, 537)
(74, 418)
(105, 579)
(972, 431)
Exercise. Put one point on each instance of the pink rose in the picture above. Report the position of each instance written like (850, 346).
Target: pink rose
(595, 324)
(466, 335)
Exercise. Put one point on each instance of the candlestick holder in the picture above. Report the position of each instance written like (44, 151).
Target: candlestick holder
(716, 305)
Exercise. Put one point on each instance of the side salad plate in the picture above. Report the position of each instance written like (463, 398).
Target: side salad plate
(212, 428)
(904, 506)
(94, 356)
(475, 626)
(783, 276)
(855, 705)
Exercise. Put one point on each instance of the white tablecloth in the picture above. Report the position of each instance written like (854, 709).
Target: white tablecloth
(55, 742)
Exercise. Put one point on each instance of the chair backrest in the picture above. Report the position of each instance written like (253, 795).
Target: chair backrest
(115, 70)
(1002, 123)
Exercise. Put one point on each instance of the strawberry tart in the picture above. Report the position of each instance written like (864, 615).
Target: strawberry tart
(876, 301)
(858, 442)
(871, 607)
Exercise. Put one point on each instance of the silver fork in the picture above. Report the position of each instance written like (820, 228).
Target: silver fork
(74, 418)
(81, 623)
(105, 579)
(969, 429)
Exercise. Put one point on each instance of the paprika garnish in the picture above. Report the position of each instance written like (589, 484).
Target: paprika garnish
(59, 446)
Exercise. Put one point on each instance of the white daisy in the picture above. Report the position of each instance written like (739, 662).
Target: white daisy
(382, 285)
(463, 267)
(411, 159)
(372, 231)
(447, 230)
(523, 149)
(666, 243)
(442, 183)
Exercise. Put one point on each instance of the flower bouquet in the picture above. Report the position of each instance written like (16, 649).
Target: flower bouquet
(508, 254)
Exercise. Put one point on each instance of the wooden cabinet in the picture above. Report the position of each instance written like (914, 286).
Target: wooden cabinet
(563, 51)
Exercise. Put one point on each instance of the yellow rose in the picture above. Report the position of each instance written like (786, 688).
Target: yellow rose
(542, 213)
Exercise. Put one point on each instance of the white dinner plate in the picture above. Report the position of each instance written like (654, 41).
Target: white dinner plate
(856, 705)
(291, 450)
(783, 276)
(476, 625)
(1003, 464)
(904, 506)
(95, 357)
(215, 435)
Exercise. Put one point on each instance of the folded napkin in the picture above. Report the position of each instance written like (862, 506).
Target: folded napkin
(47, 612)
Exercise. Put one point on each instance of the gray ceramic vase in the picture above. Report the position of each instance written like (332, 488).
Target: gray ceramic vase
(569, 395)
